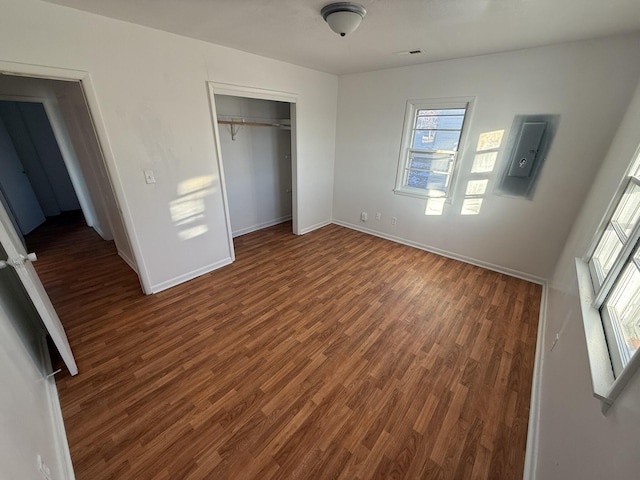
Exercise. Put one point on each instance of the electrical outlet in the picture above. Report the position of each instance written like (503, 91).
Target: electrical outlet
(149, 177)
(43, 469)
(363, 216)
(378, 216)
(394, 220)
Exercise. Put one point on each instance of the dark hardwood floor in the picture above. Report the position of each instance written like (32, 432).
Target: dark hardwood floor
(331, 355)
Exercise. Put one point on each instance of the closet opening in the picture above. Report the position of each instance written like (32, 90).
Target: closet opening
(255, 140)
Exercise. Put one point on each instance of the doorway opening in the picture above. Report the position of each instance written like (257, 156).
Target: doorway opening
(255, 134)
(52, 161)
(255, 141)
(52, 166)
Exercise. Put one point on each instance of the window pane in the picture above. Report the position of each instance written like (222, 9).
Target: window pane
(628, 211)
(417, 179)
(436, 139)
(441, 122)
(427, 181)
(429, 161)
(624, 310)
(441, 111)
(608, 249)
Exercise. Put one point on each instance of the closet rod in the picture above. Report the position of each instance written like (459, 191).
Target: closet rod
(241, 123)
(252, 124)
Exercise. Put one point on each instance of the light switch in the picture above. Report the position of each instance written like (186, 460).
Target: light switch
(149, 177)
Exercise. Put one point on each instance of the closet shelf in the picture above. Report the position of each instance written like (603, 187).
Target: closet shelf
(236, 125)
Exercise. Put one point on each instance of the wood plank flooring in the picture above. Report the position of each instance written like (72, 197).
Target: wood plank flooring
(334, 355)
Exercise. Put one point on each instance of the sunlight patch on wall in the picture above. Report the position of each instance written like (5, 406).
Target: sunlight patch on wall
(483, 165)
(471, 206)
(477, 187)
(187, 211)
(484, 162)
(435, 206)
(490, 140)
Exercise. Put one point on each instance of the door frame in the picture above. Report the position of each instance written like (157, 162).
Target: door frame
(244, 91)
(93, 105)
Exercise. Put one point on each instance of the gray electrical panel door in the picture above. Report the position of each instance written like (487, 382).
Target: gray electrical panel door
(527, 148)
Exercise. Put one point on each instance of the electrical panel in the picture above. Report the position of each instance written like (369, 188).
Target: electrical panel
(528, 145)
(526, 149)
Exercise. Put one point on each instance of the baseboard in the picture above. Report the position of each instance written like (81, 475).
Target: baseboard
(260, 226)
(445, 253)
(59, 431)
(314, 227)
(99, 231)
(190, 276)
(533, 431)
(128, 261)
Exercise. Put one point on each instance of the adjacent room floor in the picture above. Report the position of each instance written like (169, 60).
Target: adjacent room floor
(330, 355)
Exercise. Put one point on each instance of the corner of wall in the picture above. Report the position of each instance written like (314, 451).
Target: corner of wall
(531, 455)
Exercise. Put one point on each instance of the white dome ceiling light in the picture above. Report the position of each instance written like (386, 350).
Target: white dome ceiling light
(343, 17)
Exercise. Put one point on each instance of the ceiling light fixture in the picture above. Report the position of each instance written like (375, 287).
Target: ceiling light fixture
(343, 17)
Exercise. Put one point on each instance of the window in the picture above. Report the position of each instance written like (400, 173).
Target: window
(609, 281)
(615, 272)
(433, 133)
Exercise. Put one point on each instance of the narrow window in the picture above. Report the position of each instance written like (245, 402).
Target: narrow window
(433, 134)
(615, 274)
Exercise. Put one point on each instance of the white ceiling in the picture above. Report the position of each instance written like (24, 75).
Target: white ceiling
(294, 31)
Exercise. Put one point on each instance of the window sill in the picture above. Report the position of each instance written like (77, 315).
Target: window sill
(411, 193)
(605, 386)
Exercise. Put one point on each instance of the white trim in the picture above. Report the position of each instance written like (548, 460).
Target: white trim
(605, 386)
(445, 253)
(190, 275)
(252, 92)
(533, 430)
(613, 204)
(128, 261)
(99, 231)
(260, 226)
(216, 88)
(314, 227)
(412, 106)
(59, 432)
(40, 71)
(223, 185)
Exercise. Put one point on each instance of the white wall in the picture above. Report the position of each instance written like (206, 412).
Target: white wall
(575, 439)
(152, 95)
(36, 121)
(73, 110)
(18, 196)
(28, 154)
(34, 140)
(257, 164)
(587, 83)
(28, 426)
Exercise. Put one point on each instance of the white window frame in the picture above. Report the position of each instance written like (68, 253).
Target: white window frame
(608, 375)
(406, 147)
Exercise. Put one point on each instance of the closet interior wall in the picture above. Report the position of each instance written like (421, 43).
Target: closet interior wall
(256, 160)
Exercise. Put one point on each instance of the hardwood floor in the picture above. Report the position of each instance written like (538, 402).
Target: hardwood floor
(331, 355)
